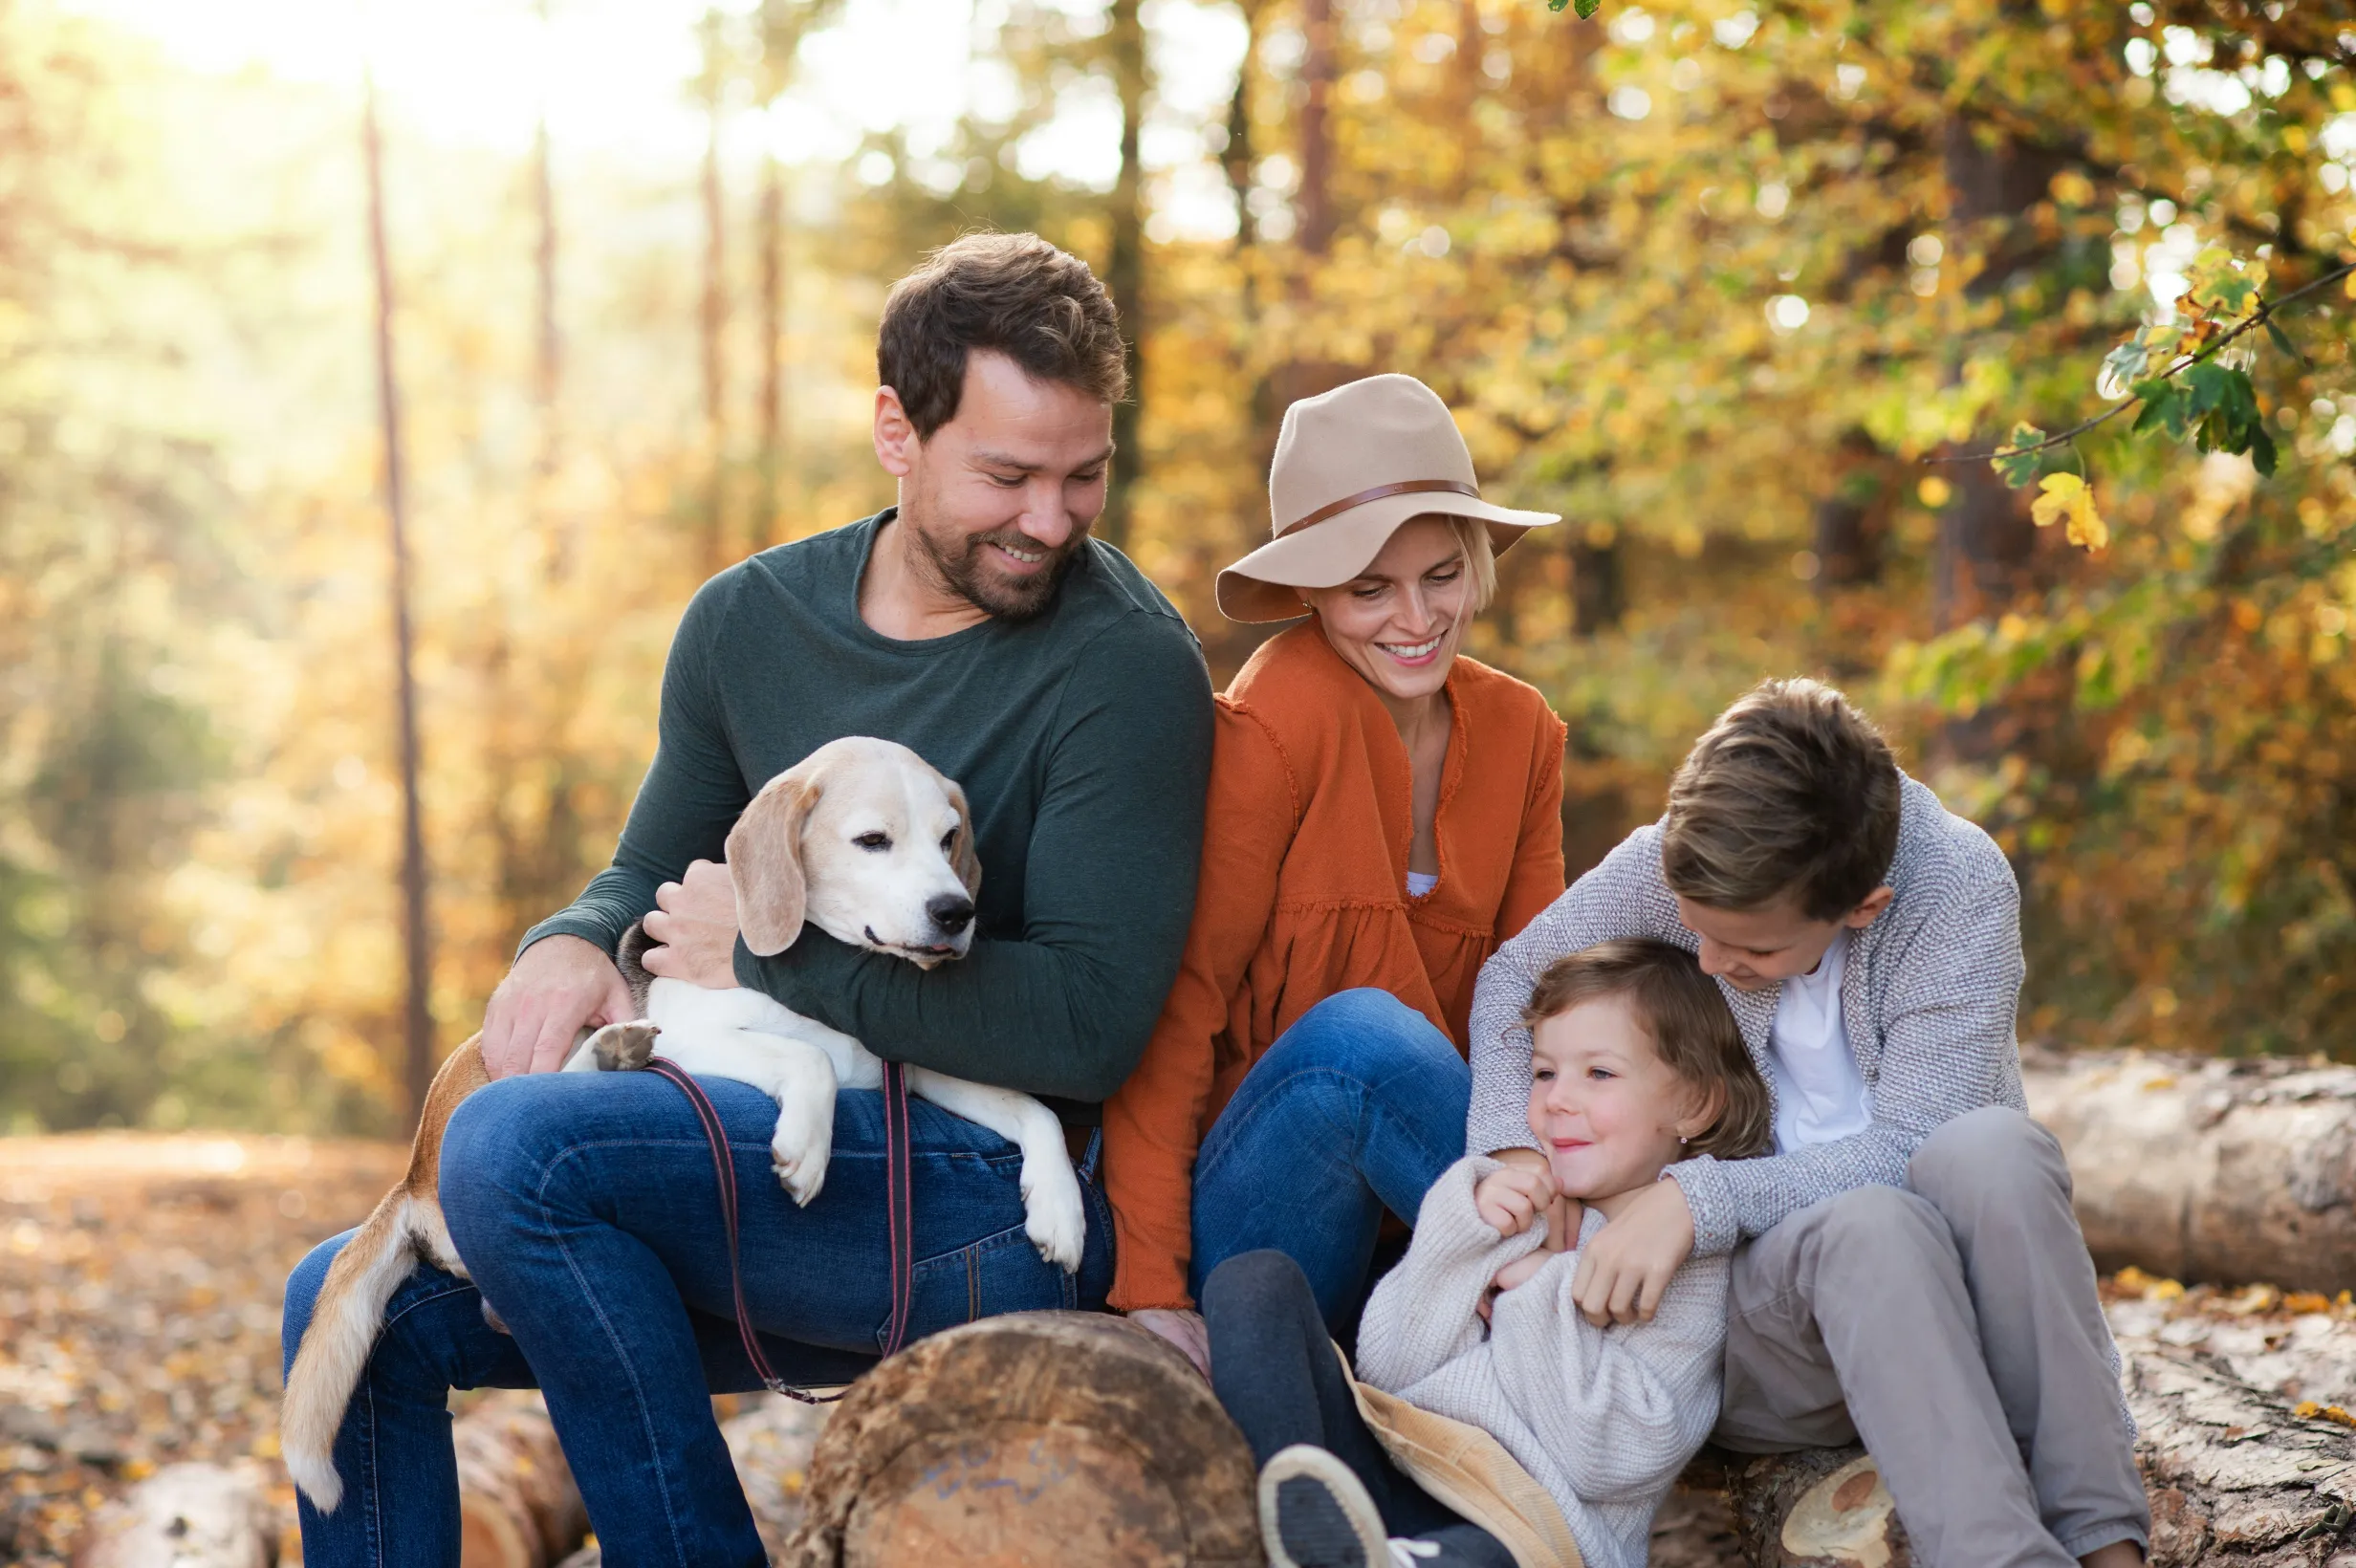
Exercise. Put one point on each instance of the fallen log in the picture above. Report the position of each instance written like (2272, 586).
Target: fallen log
(518, 1506)
(1045, 1439)
(2208, 1169)
(190, 1516)
(2239, 1476)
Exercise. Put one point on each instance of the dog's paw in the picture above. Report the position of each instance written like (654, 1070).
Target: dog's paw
(1056, 1221)
(800, 1150)
(623, 1048)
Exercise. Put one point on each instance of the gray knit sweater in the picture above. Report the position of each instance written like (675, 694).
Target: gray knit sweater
(1928, 1000)
(1602, 1418)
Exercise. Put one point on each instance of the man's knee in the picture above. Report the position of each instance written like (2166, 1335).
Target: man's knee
(302, 1293)
(1995, 1153)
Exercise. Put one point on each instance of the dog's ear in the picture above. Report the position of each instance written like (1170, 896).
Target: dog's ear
(967, 862)
(764, 861)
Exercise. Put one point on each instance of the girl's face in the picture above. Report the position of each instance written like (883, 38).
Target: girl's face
(1605, 1108)
(1400, 622)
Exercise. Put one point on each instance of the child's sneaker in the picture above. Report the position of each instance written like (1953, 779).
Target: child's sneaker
(1314, 1513)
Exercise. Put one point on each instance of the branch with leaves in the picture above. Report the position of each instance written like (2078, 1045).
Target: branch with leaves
(2194, 394)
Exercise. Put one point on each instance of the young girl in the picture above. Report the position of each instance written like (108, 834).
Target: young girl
(1522, 1434)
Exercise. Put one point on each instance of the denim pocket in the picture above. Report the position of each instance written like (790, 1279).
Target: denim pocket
(998, 1274)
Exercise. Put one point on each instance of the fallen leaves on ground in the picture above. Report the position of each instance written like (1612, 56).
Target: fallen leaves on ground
(140, 1286)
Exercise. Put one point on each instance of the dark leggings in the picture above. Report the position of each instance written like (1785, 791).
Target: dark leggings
(1274, 1367)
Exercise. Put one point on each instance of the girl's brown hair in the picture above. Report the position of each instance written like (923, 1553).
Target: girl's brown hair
(1689, 1024)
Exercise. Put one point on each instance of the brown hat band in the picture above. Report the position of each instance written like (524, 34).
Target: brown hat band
(1406, 487)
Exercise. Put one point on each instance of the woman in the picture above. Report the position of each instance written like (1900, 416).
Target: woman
(1383, 813)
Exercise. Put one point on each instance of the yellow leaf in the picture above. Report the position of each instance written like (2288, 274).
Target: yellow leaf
(2066, 500)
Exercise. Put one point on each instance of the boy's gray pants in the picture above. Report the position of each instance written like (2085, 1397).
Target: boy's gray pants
(1952, 1327)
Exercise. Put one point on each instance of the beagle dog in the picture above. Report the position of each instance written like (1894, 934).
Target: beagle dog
(862, 839)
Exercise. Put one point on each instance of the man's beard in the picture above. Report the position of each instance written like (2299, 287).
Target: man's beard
(964, 571)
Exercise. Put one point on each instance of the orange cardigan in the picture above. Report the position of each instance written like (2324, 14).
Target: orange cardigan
(1304, 893)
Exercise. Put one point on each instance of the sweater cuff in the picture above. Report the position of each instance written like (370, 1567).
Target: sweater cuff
(589, 929)
(1708, 1194)
(1486, 1134)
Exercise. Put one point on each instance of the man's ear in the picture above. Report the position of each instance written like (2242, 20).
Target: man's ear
(764, 861)
(1870, 909)
(967, 862)
(895, 434)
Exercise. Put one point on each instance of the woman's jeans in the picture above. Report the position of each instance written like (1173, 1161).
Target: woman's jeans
(588, 1209)
(1357, 1109)
(1278, 1376)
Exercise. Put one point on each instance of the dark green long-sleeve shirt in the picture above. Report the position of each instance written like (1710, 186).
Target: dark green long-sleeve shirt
(1082, 738)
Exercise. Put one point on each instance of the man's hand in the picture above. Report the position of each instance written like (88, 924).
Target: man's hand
(1624, 1271)
(695, 921)
(1184, 1329)
(560, 986)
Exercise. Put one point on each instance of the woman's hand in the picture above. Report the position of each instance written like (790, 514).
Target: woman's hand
(1184, 1329)
(1512, 1198)
(1625, 1270)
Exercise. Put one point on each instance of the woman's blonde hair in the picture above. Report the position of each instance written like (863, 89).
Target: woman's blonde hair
(1688, 1021)
(1480, 560)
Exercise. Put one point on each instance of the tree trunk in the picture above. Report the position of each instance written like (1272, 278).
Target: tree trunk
(417, 1014)
(1041, 1439)
(772, 413)
(2236, 1478)
(714, 316)
(191, 1515)
(2206, 1168)
(518, 1506)
(1124, 275)
(1315, 204)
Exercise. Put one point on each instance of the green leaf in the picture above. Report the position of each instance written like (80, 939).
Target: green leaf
(2263, 452)
(2123, 364)
(2282, 340)
(2205, 387)
(2016, 467)
(1587, 8)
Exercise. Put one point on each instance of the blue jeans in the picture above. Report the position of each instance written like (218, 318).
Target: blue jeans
(586, 1208)
(1357, 1109)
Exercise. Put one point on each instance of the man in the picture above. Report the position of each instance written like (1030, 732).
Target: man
(977, 623)
(1906, 1268)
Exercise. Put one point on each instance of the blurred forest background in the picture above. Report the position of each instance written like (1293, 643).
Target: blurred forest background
(1712, 277)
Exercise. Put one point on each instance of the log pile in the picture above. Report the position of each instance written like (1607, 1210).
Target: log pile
(186, 1515)
(518, 1506)
(2209, 1168)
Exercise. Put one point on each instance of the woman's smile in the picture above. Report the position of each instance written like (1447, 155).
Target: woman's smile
(1416, 655)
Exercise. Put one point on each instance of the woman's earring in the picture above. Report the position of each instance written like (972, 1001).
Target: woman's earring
(1683, 1141)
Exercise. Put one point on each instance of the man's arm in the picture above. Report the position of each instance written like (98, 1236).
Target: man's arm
(691, 797)
(1622, 896)
(1066, 1008)
(1947, 1048)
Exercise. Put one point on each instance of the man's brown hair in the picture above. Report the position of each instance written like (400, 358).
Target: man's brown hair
(1690, 1025)
(1791, 791)
(1014, 294)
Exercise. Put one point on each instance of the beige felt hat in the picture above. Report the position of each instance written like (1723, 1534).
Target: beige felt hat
(1351, 465)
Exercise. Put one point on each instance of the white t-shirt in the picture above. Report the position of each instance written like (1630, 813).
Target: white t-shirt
(1421, 882)
(1819, 1094)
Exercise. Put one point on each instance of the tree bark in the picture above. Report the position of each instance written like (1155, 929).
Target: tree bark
(771, 411)
(518, 1506)
(2206, 1168)
(1317, 153)
(1041, 1439)
(2236, 1479)
(417, 1012)
(714, 316)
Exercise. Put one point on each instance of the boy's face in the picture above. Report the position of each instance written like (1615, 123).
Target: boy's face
(1603, 1105)
(1754, 949)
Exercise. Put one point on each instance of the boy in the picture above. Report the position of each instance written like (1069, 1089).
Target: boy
(1907, 1270)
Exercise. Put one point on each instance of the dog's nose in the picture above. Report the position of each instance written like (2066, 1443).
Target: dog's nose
(952, 912)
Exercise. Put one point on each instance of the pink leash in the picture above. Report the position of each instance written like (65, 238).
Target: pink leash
(897, 1183)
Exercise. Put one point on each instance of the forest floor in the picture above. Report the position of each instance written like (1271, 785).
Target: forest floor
(141, 1279)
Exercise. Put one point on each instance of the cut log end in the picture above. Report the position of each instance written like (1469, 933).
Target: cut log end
(191, 1515)
(1041, 1439)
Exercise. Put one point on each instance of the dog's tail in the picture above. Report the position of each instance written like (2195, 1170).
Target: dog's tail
(342, 1331)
